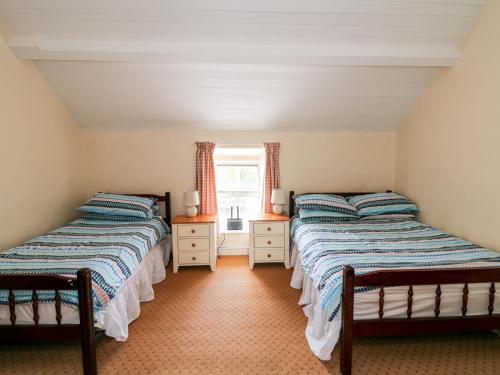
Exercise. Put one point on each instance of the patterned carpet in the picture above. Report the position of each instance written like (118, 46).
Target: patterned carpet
(236, 321)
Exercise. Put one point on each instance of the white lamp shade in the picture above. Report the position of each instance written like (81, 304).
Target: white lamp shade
(278, 196)
(191, 198)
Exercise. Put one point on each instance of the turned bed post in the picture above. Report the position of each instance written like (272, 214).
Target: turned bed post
(87, 333)
(347, 321)
(168, 212)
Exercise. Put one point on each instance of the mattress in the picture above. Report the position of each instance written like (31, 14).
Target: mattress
(124, 308)
(323, 327)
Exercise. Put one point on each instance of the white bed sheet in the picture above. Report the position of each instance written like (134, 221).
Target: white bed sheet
(322, 335)
(124, 308)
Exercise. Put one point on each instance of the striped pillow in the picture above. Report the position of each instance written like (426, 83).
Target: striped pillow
(102, 217)
(324, 202)
(325, 216)
(382, 204)
(121, 205)
(389, 217)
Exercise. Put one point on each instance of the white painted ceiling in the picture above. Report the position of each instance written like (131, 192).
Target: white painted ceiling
(239, 64)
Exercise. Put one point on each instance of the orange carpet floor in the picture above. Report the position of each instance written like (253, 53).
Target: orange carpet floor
(237, 321)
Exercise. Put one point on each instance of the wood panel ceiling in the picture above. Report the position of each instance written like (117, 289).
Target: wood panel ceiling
(239, 64)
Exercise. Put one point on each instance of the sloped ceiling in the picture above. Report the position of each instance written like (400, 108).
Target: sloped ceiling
(239, 65)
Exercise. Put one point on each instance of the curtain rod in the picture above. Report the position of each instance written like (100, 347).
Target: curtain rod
(230, 145)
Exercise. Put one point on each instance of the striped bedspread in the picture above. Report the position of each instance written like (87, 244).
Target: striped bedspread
(376, 245)
(111, 249)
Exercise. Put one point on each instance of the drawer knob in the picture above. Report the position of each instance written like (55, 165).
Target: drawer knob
(268, 229)
(193, 230)
(193, 245)
(269, 255)
(194, 258)
(269, 242)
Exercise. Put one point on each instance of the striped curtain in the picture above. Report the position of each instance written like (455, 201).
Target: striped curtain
(205, 177)
(272, 173)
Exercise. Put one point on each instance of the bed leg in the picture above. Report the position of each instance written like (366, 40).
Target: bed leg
(87, 333)
(347, 321)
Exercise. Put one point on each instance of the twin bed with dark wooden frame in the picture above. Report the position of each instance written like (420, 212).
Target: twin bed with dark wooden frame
(85, 331)
(410, 326)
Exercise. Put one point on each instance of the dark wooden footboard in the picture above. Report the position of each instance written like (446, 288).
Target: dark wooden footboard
(414, 326)
(85, 330)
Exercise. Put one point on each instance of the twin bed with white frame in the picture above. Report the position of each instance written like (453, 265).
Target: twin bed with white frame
(115, 264)
(386, 278)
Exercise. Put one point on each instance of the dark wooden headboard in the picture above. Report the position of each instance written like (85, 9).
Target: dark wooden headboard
(160, 198)
(291, 201)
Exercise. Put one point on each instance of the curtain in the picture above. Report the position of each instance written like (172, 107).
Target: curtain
(205, 177)
(272, 173)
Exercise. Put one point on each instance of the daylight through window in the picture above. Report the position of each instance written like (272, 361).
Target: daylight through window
(239, 184)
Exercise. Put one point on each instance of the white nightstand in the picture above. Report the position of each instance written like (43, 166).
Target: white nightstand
(269, 240)
(194, 241)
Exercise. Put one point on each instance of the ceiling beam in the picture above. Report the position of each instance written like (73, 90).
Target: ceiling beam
(429, 7)
(39, 47)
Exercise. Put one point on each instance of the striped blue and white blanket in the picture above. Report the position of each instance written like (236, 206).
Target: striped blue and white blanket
(111, 249)
(324, 250)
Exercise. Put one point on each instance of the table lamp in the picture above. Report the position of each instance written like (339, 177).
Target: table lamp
(191, 200)
(278, 199)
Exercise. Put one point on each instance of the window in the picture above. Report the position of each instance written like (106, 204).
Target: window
(239, 184)
(238, 177)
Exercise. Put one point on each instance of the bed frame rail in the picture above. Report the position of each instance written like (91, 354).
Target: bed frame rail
(28, 332)
(413, 326)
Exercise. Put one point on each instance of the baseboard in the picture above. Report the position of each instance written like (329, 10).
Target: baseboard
(233, 243)
(233, 251)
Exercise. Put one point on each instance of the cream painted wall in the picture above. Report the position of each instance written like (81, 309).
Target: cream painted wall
(41, 154)
(448, 150)
(156, 161)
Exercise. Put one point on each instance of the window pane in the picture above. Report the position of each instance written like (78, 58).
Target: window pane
(237, 186)
(238, 178)
(249, 178)
(227, 177)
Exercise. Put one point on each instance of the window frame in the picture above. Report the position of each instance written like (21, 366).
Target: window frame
(239, 159)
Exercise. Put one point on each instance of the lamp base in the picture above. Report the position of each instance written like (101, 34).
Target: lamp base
(278, 209)
(191, 211)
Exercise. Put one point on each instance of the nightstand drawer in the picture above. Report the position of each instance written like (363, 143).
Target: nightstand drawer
(186, 244)
(269, 241)
(269, 228)
(269, 255)
(198, 230)
(194, 257)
